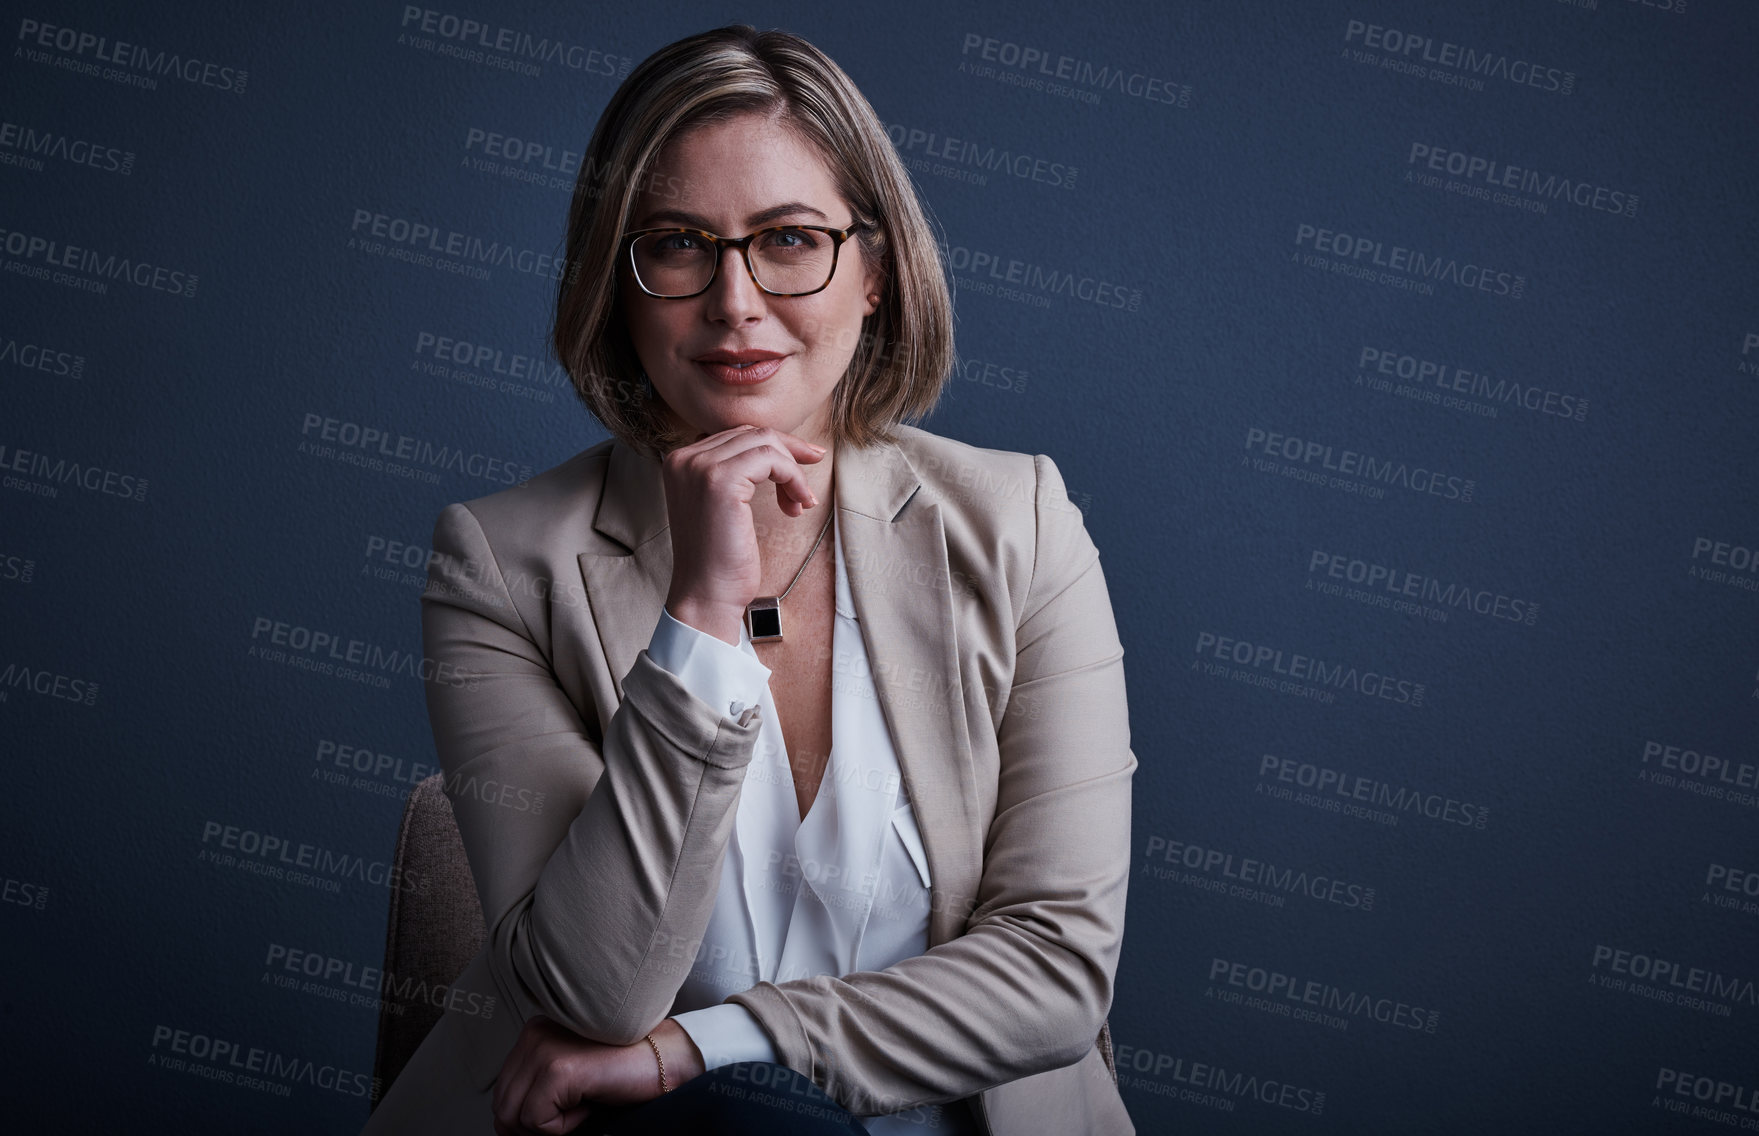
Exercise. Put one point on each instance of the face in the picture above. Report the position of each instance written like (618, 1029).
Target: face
(731, 178)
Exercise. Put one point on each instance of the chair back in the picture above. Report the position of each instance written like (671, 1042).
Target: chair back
(435, 927)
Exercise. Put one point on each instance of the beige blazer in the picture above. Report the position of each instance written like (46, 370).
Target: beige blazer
(996, 657)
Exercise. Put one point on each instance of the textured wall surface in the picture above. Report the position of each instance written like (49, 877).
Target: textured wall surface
(1403, 357)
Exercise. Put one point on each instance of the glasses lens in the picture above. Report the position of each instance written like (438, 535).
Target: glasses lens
(787, 261)
(793, 260)
(673, 264)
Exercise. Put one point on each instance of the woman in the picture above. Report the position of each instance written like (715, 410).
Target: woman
(849, 860)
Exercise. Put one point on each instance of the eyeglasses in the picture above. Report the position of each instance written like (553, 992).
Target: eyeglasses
(786, 260)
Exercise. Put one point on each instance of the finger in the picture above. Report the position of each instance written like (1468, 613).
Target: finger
(513, 1088)
(510, 1083)
(560, 1084)
(799, 444)
(542, 1109)
(686, 450)
(506, 1112)
(763, 455)
(786, 502)
(793, 445)
(498, 1100)
(800, 448)
(707, 441)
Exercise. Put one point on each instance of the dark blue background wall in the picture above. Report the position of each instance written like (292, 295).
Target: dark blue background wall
(1406, 374)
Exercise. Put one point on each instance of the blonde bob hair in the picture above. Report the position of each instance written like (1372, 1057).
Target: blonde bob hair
(905, 350)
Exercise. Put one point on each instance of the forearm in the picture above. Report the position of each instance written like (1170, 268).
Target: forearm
(1025, 990)
(607, 934)
(595, 859)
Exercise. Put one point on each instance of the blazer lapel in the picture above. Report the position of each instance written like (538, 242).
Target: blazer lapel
(895, 551)
(626, 589)
(895, 554)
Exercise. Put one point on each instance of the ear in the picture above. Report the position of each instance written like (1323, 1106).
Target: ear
(873, 286)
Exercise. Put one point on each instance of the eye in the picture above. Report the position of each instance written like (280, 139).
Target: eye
(678, 242)
(792, 240)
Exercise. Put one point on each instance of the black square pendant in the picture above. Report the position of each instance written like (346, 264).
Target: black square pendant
(763, 619)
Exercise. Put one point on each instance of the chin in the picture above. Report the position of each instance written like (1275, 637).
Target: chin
(735, 410)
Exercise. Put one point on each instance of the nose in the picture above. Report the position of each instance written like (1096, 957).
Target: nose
(732, 296)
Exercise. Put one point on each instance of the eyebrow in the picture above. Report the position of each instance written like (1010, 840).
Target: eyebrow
(762, 217)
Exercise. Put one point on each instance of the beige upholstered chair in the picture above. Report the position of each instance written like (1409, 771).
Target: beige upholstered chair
(434, 933)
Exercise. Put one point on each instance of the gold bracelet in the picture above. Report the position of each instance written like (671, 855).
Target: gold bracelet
(655, 1046)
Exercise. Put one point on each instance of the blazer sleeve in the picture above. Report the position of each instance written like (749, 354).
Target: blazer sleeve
(1028, 986)
(595, 900)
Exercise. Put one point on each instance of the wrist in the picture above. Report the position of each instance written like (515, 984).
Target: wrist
(719, 620)
(683, 1060)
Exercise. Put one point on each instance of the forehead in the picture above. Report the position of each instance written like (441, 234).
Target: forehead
(725, 172)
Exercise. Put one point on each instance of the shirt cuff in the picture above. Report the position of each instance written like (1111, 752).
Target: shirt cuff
(726, 1033)
(729, 678)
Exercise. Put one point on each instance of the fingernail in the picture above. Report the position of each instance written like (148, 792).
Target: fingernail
(816, 446)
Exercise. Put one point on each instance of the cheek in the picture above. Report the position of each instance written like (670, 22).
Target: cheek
(650, 327)
(833, 332)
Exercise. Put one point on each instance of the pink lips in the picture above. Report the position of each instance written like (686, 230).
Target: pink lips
(740, 368)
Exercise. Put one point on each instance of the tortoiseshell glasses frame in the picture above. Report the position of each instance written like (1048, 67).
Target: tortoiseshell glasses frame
(743, 244)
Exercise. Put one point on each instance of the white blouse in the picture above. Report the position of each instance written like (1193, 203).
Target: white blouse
(859, 853)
